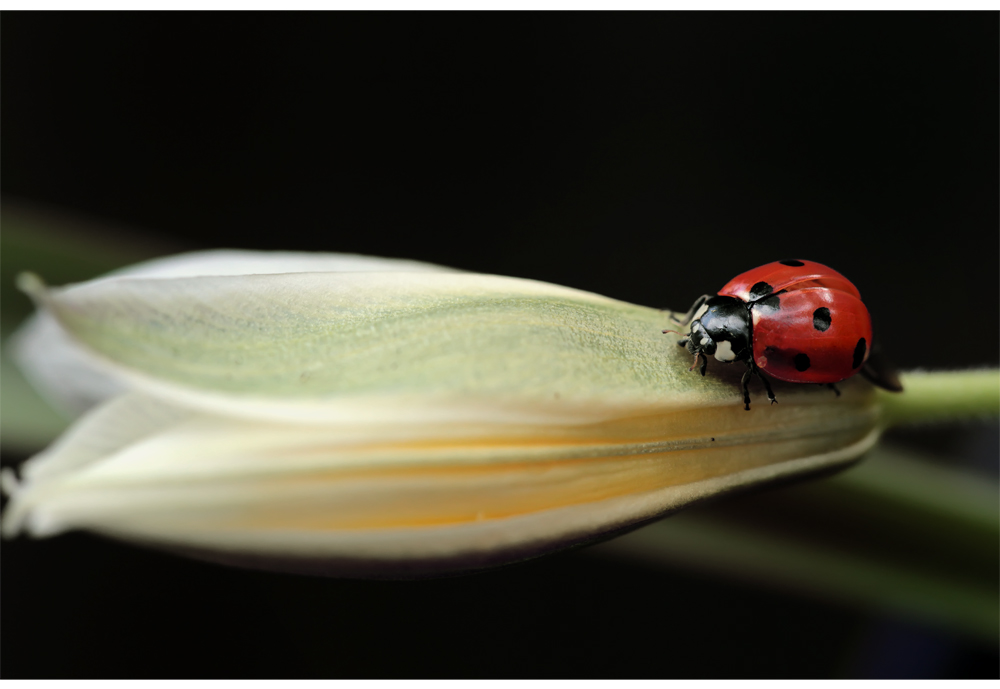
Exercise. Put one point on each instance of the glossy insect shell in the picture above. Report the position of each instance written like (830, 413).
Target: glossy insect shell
(816, 330)
(790, 274)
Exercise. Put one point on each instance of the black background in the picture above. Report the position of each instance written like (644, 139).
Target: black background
(646, 156)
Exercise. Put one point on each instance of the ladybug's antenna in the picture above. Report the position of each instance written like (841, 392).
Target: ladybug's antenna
(672, 331)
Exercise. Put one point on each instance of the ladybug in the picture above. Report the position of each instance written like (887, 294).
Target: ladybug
(797, 321)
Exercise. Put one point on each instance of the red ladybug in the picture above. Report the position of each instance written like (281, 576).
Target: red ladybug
(797, 321)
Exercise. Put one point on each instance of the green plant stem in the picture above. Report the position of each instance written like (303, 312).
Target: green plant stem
(942, 396)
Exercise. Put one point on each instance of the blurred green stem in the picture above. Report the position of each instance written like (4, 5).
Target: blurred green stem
(942, 396)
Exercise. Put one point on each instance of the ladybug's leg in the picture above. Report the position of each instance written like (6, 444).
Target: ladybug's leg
(686, 318)
(699, 356)
(767, 384)
(880, 370)
(834, 388)
(746, 389)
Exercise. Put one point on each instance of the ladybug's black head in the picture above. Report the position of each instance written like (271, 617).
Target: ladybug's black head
(723, 329)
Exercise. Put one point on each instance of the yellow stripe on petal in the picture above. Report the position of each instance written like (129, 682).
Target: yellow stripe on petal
(257, 490)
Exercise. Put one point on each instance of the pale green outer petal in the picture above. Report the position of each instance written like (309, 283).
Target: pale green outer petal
(73, 382)
(308, 347)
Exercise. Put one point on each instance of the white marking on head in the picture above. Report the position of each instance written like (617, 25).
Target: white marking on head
(724, 351)
(704, 341)
(700, 312)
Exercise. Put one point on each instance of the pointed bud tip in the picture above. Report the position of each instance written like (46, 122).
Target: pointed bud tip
(30, 284)
(8, 482)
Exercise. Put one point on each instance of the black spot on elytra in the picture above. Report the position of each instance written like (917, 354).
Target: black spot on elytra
(791, 262)
(821, 319)
(760, 290)
(801, 362)
(771, 303)
(859, 353)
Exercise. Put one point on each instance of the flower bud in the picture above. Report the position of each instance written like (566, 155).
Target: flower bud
(367, 417)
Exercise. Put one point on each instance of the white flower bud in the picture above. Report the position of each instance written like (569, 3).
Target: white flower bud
(358, 416)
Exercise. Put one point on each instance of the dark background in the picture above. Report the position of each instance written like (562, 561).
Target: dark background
(646, 156)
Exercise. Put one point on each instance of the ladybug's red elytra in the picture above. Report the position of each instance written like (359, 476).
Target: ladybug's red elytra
(798, 321)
